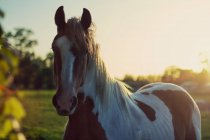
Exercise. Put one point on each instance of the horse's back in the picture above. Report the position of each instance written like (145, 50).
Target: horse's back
(172, 108)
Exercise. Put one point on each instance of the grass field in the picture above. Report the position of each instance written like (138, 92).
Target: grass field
(42, 122)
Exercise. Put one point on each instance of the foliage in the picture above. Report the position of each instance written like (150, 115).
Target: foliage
(40, 70)
(1, 16)
(171, 74)
(8, 59)
(11, 115)
(41, 73)
(8, 64)
(20, 39)
(11, 109)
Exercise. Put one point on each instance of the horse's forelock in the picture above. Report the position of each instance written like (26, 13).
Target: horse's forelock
(84, 39)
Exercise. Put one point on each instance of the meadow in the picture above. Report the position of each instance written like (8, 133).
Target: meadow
(42, 122)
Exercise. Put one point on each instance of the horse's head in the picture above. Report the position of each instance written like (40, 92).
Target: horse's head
(70, 48)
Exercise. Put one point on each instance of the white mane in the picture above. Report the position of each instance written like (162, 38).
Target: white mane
(107, 88)
(112, 99)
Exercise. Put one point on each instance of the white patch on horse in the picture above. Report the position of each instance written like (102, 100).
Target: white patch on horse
(67, 58)
(162, 127)
(160, 86)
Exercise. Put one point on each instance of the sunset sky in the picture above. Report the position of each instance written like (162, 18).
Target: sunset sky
(137, 37)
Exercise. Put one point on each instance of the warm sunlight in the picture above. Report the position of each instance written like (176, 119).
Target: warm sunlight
(128, 66)
(144, 39)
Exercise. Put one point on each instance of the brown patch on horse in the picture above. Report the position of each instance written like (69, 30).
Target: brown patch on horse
(191, 133)
(149, 111)
(181, 107)
(83, 124)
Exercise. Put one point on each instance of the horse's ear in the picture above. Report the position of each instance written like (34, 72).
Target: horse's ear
(86, 19)
(60, 18)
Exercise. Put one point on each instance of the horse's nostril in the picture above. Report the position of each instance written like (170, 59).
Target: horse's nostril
(64, 112)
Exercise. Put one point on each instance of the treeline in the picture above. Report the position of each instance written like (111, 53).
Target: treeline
(37, 73)
(31, 72)
(34, 73)
(174, 75)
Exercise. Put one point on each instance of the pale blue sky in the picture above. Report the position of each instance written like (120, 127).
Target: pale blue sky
(136, 36)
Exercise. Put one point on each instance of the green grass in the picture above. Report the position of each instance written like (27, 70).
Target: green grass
(205, 125)
(205, 117)
(43, 123)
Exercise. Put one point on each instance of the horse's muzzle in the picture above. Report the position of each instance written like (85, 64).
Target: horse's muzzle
(63, 107)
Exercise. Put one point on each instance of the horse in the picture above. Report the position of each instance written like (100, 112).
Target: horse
(101, 107)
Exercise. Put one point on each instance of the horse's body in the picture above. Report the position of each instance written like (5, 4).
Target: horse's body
(105, 109)
(158, 111)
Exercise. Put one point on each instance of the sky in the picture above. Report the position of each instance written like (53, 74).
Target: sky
(137, 37)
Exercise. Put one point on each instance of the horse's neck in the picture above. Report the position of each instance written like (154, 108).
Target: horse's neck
(101, 87)
(83, 124)
(110, 97)
(112, 103)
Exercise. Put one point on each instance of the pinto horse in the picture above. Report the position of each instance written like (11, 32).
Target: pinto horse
(101, 107)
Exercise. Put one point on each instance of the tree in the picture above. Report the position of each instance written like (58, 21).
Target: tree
(11, 110)
(171, 74)
(8, 59)
(1, 16)
(20, 39)
(8, 65)
(47, 72)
